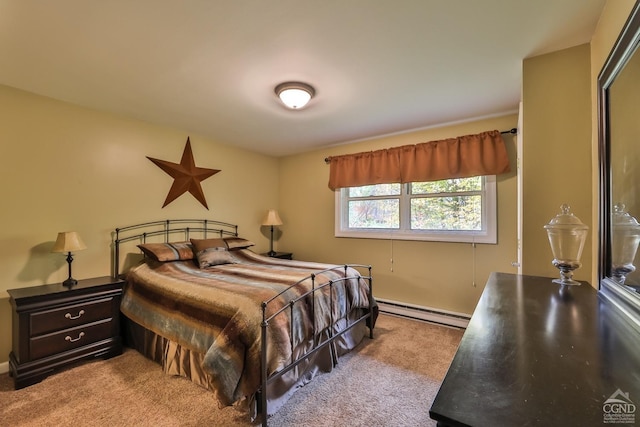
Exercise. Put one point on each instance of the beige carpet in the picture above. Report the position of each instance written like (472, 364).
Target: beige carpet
(388, 381)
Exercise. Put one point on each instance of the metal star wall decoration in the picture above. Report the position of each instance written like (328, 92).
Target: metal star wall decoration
(187, 177)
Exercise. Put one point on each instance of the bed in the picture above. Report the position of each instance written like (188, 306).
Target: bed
(250, 328)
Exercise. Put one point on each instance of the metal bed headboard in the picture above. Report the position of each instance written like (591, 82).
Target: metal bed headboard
(169, 230)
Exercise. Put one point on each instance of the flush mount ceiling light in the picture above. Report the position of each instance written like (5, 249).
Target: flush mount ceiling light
(294, 95)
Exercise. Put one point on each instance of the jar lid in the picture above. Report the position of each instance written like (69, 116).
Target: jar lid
(566, 220)
(621, 217)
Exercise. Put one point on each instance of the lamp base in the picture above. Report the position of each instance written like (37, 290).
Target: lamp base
(70, 282)
(272, 253)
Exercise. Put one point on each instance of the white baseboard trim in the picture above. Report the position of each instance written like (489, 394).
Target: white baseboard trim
(412, 311)
(4, 367)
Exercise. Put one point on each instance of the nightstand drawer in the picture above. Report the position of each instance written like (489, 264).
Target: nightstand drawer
(68, 339)
(70, 316)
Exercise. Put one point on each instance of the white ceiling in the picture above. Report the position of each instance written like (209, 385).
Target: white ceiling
(210, 66)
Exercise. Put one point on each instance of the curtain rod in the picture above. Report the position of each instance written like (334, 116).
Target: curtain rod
(511, 131)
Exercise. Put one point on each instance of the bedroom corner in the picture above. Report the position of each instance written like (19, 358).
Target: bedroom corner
(444, 276)
(74, 168)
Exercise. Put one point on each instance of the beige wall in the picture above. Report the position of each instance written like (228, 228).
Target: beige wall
(556, 98)
(71, 168)
(432, 274)
(561, 140)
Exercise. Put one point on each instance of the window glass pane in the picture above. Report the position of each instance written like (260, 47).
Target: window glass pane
(446, 213)
(374, 213)
(375, 190)
(456, 210)
(448, 186)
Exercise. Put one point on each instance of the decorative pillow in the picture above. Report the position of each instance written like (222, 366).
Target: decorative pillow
(175, 251)
(202, 244)
(211, 252)
(214, 256)
(237, 243)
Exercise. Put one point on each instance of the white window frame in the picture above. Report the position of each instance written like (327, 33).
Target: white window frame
(488, 233)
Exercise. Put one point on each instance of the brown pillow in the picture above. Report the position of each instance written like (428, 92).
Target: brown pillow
(202, 244)
(237, 243)
(175, 251)
(211, 252)
(214, 256)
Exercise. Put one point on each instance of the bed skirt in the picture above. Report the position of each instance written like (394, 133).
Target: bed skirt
(180, 361)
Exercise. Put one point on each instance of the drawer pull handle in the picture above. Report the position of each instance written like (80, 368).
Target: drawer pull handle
(68, 338)
(69, 316)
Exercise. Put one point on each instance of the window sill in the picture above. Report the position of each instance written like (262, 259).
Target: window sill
(459, 237)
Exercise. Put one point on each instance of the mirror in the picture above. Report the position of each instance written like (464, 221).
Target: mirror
(619, 152)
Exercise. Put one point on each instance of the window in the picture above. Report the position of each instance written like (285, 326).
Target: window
(452, 210)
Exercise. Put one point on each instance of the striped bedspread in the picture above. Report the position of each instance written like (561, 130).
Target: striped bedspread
(217, 312)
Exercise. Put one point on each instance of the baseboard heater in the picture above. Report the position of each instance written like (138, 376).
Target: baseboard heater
(443, 317)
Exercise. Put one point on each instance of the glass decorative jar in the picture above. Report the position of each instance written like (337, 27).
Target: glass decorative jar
(624, 243)
(567, 236)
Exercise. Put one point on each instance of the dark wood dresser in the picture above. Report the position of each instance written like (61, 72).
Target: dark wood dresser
(55, 326)
(538, 354)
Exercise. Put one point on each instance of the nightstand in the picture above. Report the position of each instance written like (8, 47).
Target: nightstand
(281, 255)
(54, 326)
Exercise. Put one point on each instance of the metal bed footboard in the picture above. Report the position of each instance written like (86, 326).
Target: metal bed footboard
(317, 343)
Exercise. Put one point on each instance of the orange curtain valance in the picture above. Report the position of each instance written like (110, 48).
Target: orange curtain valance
(461, 157)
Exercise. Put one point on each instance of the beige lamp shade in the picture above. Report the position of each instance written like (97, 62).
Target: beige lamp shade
(68, 241)
(272, 218)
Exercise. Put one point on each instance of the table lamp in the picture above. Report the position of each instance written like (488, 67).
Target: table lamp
(68, 241)
(271, 220)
